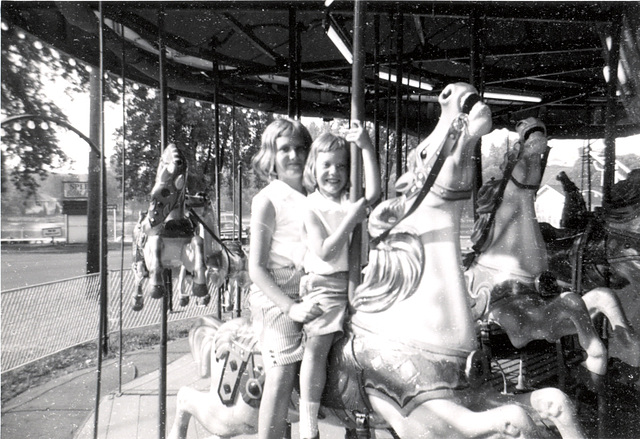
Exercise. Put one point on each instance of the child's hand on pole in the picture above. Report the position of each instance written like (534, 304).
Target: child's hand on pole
(358, 135)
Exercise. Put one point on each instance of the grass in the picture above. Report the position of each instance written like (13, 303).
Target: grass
(83, 356)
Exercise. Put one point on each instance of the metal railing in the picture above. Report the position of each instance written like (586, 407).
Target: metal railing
(41, 320)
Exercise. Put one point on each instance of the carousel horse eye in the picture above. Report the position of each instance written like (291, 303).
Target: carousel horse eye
(165, 192)
(446, 93)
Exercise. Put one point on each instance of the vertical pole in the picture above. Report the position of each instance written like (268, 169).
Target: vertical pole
(123, 189)
(399, 24)
(609, 171)
(387, 165)
(292, 63)
(298, 70)
(162, 387)
(610, 121)
(102, 330)
(238, 298)
(357, 113)
(376, 84)
(475, 78)
(218, 159)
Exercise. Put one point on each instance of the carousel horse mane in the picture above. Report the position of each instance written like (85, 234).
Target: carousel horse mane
(625, 199)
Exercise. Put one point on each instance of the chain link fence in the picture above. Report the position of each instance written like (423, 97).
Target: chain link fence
(44, 319)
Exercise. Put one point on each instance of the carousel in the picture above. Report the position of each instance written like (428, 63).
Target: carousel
(528, 331)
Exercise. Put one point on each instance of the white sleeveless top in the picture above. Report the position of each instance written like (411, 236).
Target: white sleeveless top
(287, 248)
(331, 215)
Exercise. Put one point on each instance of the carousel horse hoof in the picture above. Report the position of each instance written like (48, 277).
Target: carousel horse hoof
(137, 302)
(200, 290)
(184, 300)
(157, 291)
(204, 301)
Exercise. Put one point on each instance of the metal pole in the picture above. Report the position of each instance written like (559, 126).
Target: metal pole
(475, 78)
(102, 338)
(162, 387)
(610, 121)
(123, 188)
(399, 18)
(292, 63)
(376, 84)
(357, 113)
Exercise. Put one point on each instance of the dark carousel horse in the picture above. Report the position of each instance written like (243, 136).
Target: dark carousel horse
(600, 248)
(165, 237)
(409, 359)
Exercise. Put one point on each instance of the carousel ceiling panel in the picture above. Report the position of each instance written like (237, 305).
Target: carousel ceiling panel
(554, 51)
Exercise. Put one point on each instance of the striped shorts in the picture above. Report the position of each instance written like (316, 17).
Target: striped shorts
(281, 338)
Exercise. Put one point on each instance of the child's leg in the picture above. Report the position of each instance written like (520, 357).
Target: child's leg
(274, 406)
(313, 374)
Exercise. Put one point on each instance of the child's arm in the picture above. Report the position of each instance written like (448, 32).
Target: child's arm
(358, 135)
(328, 246)
(263, 219)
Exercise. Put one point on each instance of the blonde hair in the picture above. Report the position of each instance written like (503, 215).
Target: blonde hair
(326, 142)
(264, 162)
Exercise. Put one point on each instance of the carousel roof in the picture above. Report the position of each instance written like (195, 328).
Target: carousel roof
(542, 59)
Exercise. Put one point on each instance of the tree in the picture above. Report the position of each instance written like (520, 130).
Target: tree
(31, 149)
(191, 128)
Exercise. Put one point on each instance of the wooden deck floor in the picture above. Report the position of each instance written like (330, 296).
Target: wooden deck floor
(134, 413)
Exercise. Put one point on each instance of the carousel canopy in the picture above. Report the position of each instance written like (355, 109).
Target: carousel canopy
(543, 59)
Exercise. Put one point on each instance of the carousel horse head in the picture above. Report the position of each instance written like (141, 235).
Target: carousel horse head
(168, 193)
(438, 165)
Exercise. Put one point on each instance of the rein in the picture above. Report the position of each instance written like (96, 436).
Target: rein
(444, 150)
(208, 229)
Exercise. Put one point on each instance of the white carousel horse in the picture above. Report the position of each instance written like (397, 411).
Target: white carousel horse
(227, 264)
(164, 238)
(509, 280)
(409, 358)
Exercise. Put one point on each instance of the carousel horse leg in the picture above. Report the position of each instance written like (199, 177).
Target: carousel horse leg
(139, 273)
(153, 258)
(433, 418)
(605, 301)
(183, 278)
(200, 270)
(570, 305)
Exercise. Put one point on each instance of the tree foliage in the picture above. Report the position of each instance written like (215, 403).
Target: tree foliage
(31, 149)
(191, 127)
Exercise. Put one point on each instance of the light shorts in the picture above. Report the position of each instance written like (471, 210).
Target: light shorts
(330, 293)
(281, 338)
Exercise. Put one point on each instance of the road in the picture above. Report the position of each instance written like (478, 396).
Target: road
(25, 268)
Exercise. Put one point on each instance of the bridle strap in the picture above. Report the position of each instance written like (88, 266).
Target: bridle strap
(444, 150)
(526, 187)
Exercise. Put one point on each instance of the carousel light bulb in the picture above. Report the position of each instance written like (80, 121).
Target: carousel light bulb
(2, 132)
(120, 81)
(21, 35)
(31, 125)
(88, 68)
(38, 45)
(5, 26)
(46, 108)
(136, 86)
(182, 100)
(213, 107)
(17, 126)
(198, 104)
(55, 53)
(44, 125)
(72, 62)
